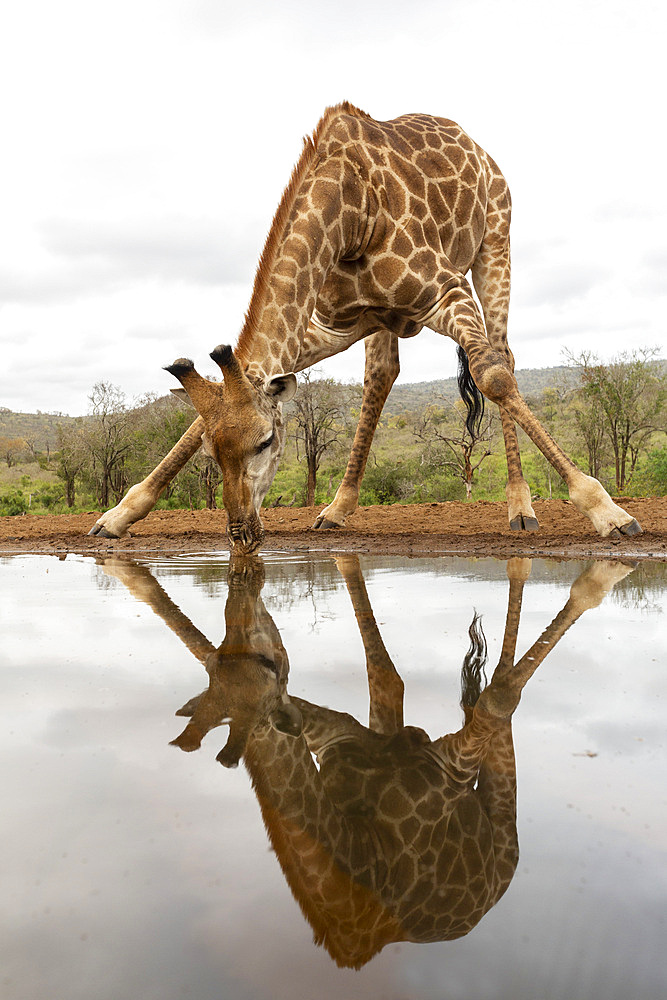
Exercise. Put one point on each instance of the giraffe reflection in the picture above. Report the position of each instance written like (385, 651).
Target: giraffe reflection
(391, 836)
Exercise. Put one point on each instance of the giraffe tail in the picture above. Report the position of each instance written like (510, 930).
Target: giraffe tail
(470, 394)
(473, 675)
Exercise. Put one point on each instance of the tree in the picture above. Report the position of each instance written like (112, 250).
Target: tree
(322, 415)
(108, 441)
(450, 445)
(625, 397)
(72, 456)
(11, 448)
(210, 477)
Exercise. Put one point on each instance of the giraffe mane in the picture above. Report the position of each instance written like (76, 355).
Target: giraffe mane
(280, 220)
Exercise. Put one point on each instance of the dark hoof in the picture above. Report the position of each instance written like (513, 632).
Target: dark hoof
(633, 528)
(521, 523)
(615, 536)
(97, 529)
(103, 533)
(326, 523)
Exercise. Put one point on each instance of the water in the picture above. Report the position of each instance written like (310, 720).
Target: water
(133, 868)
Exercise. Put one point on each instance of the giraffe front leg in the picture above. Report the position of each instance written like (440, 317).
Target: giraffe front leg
(385, 686)
(141, 498)
(380, 373)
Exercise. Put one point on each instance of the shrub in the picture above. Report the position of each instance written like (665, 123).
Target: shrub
(13, 502)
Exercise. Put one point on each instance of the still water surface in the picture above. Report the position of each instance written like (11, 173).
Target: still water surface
(135, 869)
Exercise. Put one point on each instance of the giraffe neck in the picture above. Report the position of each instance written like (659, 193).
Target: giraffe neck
(322, 218)
(324, 858)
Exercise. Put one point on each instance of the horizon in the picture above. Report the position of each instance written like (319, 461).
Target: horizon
(136, 402)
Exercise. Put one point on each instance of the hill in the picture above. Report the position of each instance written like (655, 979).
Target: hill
(417, 395)
(38, 429)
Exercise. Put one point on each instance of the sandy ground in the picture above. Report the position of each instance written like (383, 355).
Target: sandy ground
(478, 529)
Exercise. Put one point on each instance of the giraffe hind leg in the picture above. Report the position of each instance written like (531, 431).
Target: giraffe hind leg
(459, 318)
(519, 507)
(491, 278)
(520, 512)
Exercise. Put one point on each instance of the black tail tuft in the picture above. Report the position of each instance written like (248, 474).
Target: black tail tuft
(470, 395)
(473, 676)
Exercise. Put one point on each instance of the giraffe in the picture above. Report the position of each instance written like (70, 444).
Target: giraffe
(391, 836)
(372, 239)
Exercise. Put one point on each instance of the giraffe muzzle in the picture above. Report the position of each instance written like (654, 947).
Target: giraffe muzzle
(245, 537)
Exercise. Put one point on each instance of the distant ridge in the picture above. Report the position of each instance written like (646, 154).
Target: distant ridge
(531, 382)
(41, 428)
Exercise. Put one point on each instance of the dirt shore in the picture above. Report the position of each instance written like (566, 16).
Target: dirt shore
(478, 529)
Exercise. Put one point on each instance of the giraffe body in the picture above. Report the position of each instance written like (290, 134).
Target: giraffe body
(372, 239)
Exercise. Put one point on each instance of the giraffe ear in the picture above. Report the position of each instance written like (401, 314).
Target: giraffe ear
(281, 387)
(182, 395)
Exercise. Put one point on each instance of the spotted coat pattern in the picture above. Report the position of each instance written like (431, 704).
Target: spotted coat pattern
(372, 240)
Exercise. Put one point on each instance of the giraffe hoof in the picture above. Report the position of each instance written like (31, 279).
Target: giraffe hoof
(326, 523)
(98, 529)
(632, 528)
(524, 523)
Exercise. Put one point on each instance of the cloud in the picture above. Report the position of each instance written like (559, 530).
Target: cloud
(560, 284)
(97, 257)
(651, 277)
(200, 251)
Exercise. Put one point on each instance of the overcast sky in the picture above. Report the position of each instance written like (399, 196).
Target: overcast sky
(146, 144)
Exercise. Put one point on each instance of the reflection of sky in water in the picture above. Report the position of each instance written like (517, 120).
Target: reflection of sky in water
(139, 870)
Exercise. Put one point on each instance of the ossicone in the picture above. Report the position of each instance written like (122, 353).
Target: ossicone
(181, 366)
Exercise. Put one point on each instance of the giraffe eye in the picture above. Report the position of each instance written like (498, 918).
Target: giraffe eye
(265, 444)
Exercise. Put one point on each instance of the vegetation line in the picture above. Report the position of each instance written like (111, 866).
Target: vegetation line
(609, 416)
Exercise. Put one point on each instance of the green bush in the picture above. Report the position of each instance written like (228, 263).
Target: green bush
(388, 482)
(13, 502)
(49, 497)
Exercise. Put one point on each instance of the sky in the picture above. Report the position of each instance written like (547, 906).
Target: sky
(146, 145)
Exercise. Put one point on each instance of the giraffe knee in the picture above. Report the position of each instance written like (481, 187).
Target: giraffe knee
(496, 381)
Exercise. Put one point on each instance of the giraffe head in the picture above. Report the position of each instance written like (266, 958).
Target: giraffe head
(244, 432)
(247, 673)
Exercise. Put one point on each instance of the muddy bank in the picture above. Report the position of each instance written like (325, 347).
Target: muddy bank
(454, 528)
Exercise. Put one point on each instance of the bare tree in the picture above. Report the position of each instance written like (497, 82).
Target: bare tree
(108, 441)
(629, 395)
(210, 477)
(72, 456)
(450, 445)
(322, 416)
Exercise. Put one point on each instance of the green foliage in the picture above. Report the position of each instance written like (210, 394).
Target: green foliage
(388, 482)
(67, 472)
(650, 478)
(51, 498)
(656, 470)
(621, 403)
(13, 502)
